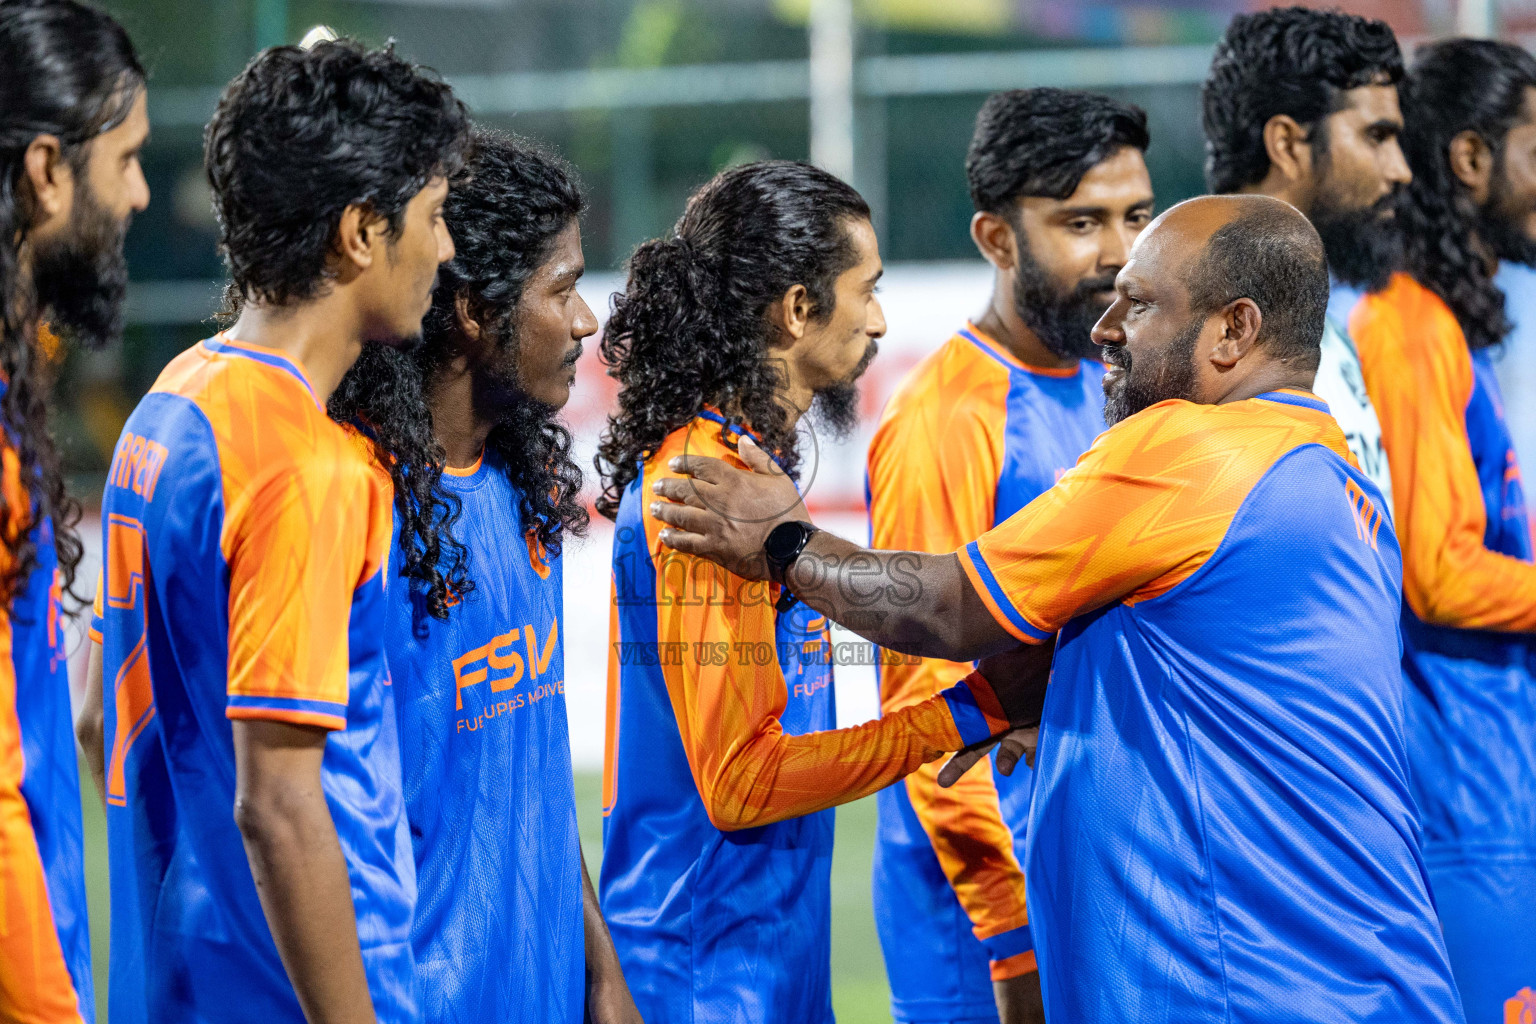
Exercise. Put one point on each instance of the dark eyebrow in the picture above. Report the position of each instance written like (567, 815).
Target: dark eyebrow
(878, 275)
(1385, 124)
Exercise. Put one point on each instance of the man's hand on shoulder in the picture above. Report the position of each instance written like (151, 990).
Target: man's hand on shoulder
(724, 514)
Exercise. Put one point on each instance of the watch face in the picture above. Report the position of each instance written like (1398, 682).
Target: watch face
(782, 541)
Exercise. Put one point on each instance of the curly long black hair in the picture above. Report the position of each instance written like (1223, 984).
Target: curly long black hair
(71, 72)
(504, 212)
(1456, 86)
(352, 125)
(691, 327)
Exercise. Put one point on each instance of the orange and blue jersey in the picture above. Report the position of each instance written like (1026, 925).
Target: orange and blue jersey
(245, 540)
(1469, 656)
(486, 753)
(971, 436)
(722, 765)
(45, 954)
(1223, 827)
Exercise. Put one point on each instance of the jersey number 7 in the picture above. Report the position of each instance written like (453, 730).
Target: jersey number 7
(126, 603)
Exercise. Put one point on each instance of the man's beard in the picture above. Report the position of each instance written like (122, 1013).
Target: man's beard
(82, 278)
(1362, 245)
(835, 407)
(1500, 220)
(1063, 323)
(1171, 376)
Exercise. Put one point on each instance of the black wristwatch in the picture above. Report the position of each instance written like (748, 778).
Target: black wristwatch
(783, 545)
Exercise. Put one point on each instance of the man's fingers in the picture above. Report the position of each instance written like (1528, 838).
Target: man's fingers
(702, 467)
(1018, 744)
(961, 763)
(684, 542)
(756, 459)
(683, 489)
(684, 517)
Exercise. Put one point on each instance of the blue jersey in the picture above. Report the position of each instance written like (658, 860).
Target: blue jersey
(1469, 657)
(1223, 828)
(245, 541)
(487, 759)
(44, 867)
(971, 436)
(721, 769)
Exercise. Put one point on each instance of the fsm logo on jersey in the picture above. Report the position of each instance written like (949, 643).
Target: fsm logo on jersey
(500, 664)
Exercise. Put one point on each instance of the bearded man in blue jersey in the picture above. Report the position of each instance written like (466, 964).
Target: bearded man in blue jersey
(507, 926)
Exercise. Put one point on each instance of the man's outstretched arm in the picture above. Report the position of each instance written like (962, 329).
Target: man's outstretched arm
(906, 601)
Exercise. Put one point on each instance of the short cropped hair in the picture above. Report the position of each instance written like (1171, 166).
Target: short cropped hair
(1272, 255)
(1292, 61)
(1040, 142)
(299, 136)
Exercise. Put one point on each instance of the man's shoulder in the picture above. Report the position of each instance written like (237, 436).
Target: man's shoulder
(1236, 440)
(1405, 313)
(956, 374)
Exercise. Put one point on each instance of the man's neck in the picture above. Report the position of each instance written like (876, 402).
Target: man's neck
(320, 336)
(1278, 187)
(1267, 378)
(1001, 322)
(795, 401)
(459, 428)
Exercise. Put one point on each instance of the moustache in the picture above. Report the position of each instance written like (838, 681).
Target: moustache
(865, 360)
(574, 357)
(1386, 206)
(1117, 356)
(1092, 287)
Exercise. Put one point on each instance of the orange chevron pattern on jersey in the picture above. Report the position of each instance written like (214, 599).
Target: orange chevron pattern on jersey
(35, 985)
(934, 464)
(1146, 506)
(748, 771)
(287, 469)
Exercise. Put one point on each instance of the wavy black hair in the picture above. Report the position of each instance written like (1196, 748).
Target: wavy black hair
(504, 212)
(1040, 142)
(1456, 86)
(300, 135)
(1293, 61)
(691, 327)
(71, 72)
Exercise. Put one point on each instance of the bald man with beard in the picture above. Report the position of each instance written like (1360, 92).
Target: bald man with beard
(1222, 827)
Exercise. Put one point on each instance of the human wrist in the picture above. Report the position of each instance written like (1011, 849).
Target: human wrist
(975, 709)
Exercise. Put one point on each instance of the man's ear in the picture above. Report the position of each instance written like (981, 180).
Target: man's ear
(1472, 162)
(49, 177)
(1290, 154)
(994, 237)
(356, 236)
(791, 315)
(1241, 321)
(468, 325)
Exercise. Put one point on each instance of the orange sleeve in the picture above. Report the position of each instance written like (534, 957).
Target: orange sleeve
(748, 771)
(933, 470)
(1141, 511)
(308, 532)
(35, 985)
(1419, 375)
